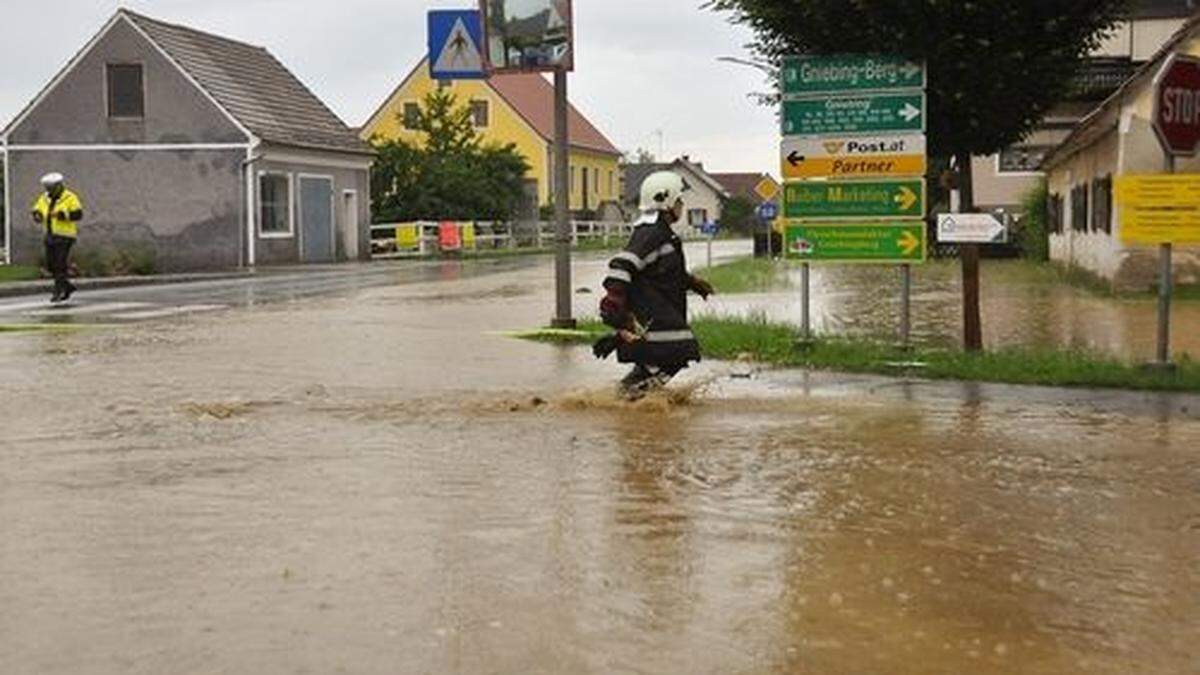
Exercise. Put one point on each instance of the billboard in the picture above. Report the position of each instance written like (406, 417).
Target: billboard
(528, 35)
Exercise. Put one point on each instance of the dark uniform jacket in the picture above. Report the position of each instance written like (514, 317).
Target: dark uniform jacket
(649, 282)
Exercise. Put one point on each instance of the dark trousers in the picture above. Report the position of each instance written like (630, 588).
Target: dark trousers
(58, 257)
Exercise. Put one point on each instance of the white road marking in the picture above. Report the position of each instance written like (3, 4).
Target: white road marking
(101, 308)
(167, 312)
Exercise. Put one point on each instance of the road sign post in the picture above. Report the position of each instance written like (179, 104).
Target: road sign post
(539, 36)
(563, 317)
(854, 161)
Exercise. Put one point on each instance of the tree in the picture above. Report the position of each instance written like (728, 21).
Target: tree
(450, 175)
(996, 67)
(738, 214)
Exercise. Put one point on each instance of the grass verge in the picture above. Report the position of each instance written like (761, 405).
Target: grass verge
(748, 275)
(775, 343)
(18, 273)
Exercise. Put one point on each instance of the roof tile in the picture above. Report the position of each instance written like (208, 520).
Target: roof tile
(254, 87)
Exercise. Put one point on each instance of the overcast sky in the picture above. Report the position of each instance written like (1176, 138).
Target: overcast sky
(642, 66)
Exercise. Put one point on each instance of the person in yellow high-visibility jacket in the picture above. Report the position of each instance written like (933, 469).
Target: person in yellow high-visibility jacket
(58, 211)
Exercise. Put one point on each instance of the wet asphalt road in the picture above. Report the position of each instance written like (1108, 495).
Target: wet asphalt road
(372, 479)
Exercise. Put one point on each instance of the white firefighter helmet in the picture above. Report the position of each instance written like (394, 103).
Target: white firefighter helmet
(52, 179)
(661, 190)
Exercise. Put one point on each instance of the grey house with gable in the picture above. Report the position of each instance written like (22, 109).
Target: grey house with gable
(206, 151)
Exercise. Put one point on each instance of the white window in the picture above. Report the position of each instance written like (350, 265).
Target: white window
(276, 212)
(697, 217)
(480, 114)
(412, 115)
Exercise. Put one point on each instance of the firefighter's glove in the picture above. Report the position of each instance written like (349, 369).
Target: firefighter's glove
(606, 346)
(702, 288)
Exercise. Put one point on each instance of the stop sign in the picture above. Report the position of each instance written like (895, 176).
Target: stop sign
(1177, 105)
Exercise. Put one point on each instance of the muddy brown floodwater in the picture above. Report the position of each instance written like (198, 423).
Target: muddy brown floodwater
(378, 483)
(1020, 307)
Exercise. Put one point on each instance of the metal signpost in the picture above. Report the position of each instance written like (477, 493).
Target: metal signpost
(538, 36)
(767, 212)
(710, 230)
(854, 162)
(1177, 124)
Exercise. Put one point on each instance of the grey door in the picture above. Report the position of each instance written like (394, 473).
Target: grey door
(316, 219)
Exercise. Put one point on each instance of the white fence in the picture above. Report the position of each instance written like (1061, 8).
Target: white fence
(406, 240)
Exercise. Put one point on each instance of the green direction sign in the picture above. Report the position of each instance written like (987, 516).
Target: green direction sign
(804, 75)
(854, 114)
(887, 242)
(855, 199)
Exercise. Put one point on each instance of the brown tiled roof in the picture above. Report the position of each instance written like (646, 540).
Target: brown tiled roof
(253, 87)
(533, 99)
(742, 184)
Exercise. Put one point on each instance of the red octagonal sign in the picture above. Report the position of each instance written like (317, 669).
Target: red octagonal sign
(1177, 105)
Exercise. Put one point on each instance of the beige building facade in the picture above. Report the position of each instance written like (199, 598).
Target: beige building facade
(1003, 180)
(1117, 139)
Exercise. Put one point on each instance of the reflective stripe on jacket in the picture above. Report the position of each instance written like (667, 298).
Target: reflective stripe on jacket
(67, 212)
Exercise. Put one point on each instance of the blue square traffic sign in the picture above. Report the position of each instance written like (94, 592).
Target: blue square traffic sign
(456, 45)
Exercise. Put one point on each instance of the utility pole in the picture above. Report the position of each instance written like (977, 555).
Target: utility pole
(563, 318)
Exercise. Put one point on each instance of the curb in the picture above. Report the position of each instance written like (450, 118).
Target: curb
(42, 287)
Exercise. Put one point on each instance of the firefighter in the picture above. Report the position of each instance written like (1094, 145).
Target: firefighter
(647, 287)
(58, 211)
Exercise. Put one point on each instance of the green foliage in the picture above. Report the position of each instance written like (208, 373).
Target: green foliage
(18, 273)
(451, 175)
(748, 275)
(996, 67)
(738, 215)
(1033, 235)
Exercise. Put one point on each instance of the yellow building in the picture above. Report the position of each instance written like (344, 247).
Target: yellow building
(517, 109)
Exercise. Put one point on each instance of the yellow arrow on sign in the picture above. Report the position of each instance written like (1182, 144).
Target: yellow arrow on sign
(907, 198)
(909, 243)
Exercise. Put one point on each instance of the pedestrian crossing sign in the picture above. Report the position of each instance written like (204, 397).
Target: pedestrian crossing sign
(455, 45)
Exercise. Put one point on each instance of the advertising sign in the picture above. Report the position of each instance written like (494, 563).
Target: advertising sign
(886, 242)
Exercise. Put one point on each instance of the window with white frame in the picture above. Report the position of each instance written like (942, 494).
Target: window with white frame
(697, 217)
(275, 204)
(480, 114)
(412, 115)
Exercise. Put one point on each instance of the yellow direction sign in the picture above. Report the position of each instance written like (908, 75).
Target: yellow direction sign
(879, 156)
(767, 189)
(886, 166)
(1160, 209)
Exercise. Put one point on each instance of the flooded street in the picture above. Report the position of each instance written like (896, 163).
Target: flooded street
(1022, 306)
(378, 481)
